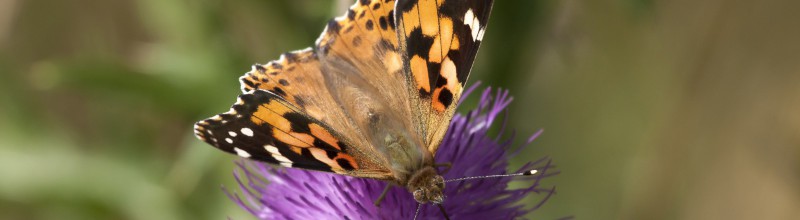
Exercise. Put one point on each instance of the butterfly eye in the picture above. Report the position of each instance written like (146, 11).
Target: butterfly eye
(439, 181)
(419, 195)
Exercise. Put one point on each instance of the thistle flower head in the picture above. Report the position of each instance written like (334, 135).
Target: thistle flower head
(277, 193)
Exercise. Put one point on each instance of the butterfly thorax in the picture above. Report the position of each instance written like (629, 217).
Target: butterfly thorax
(427, 186)
(406, 157)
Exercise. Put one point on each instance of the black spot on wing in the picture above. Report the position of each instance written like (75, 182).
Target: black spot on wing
(424, 94)
(331, 154)
(325, 146)
(391, 19)
(345, 164)
(369, 25)
(383, 23)
(248, 83)
(290, 58)
(343, 146)
(299, 122)
(306, 153)
(333, 26)
(446, 97)
(259, 68)
(351, 15)
(280, 92)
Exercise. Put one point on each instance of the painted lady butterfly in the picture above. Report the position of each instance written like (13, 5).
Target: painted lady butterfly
(373, 98)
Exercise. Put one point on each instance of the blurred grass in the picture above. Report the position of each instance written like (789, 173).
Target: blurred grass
(652, 109)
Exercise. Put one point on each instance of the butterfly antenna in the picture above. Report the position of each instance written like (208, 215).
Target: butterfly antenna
(419, 205)
(441, 208)
(526, 173)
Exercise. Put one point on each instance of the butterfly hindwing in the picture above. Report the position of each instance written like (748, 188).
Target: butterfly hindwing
(355, 56)
(297, 78)
(264, 127)
(439, 40)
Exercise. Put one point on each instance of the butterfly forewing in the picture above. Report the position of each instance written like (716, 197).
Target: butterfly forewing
(439, 41)
(264, 127)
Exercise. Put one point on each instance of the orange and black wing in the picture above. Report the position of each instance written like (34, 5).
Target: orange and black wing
(265, 127)
(356, 56)
(439, 40)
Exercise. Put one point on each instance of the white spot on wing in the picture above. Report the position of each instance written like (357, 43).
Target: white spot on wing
(232, 134)
(271, 149)
(277, 155)
(468, 17)
(247, 132)
(241, 152)
(229, 140)
(281, 158)
(474, 25)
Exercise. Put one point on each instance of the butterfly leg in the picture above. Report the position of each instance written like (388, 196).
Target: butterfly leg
(383, 195)
(447, 165)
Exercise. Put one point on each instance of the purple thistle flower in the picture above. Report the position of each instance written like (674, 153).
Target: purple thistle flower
(278, 193)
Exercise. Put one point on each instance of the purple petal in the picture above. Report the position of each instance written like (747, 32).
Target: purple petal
(301, 194)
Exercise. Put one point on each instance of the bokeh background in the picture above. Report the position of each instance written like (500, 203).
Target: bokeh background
(652, 109)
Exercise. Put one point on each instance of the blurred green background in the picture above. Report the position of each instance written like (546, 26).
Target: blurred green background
(652, 109)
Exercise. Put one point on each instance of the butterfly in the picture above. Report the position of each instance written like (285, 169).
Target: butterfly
(373, 98)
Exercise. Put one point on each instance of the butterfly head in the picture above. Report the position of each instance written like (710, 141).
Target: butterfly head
(427, 186)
